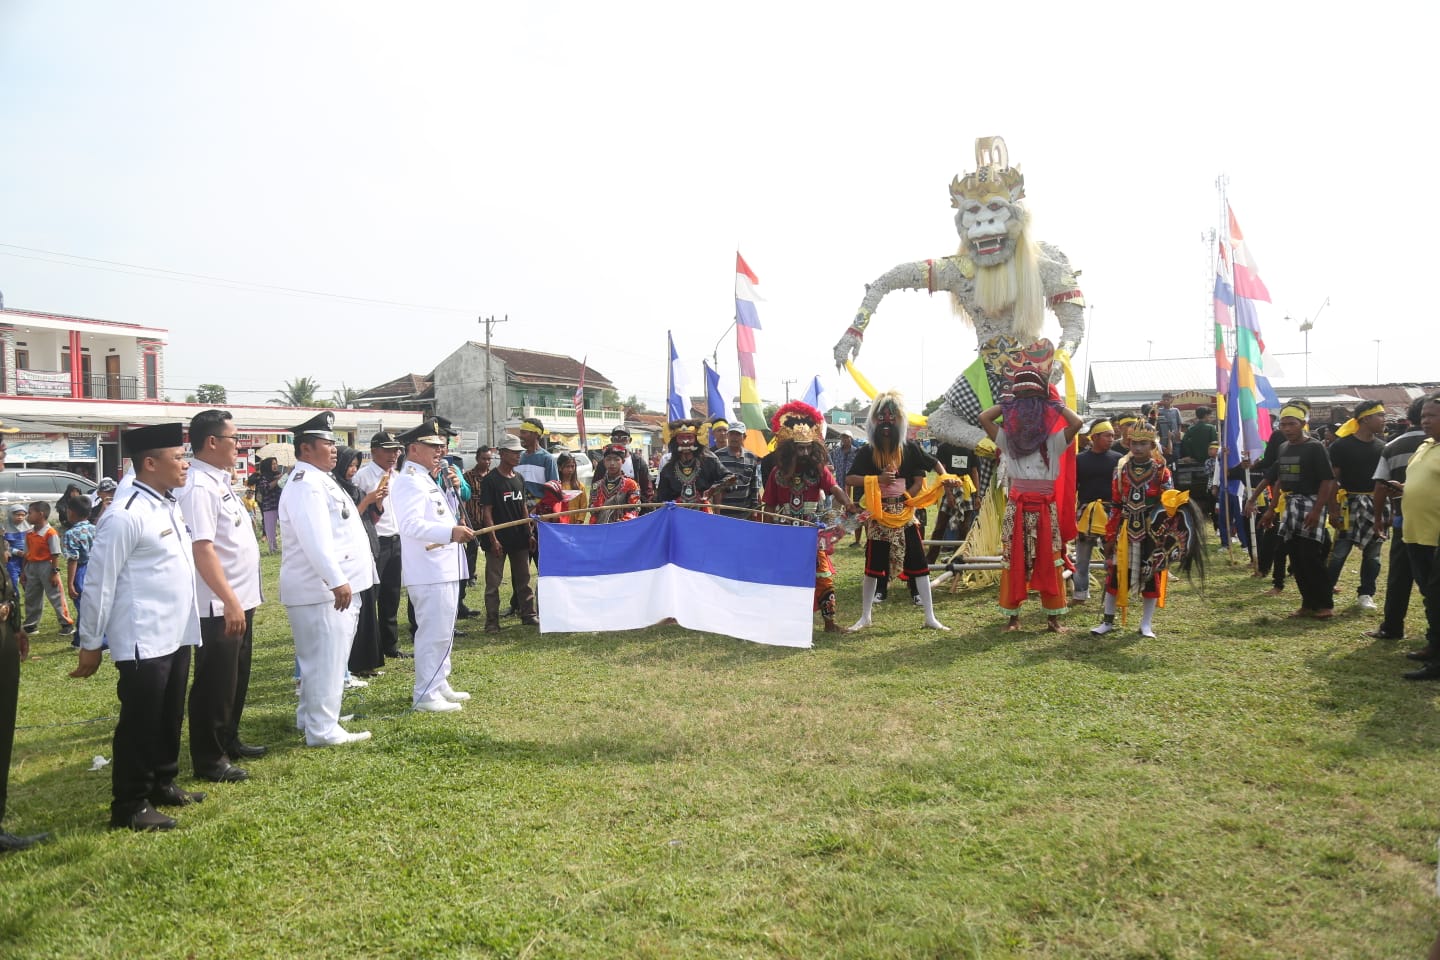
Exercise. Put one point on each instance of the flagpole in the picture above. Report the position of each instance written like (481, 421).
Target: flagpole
(1231, 393)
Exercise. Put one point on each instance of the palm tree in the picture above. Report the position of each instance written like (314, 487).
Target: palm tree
(300, 392)
(345, 396)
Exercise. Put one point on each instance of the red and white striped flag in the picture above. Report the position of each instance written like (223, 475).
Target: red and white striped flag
(580, 404)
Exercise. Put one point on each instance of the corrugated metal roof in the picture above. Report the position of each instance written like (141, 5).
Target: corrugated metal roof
(1144, 380)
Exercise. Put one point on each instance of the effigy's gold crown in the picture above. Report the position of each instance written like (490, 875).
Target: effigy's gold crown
(993, 176)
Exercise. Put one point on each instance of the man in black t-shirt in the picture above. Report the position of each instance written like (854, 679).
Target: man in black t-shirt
(1303, 473)
(502, 500)
(1354, 456)
(901, 468)
(957, 511)
(1389, 486)
(1094, 486)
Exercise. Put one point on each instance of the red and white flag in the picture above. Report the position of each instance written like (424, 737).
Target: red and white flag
(580, 404)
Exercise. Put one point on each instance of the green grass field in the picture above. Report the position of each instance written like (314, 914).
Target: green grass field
(1243, 786)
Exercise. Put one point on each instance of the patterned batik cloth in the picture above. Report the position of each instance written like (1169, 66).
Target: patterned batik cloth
(1360, 526)
(1297, 508)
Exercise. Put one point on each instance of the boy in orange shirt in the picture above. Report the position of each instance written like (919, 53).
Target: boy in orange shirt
(40, 577)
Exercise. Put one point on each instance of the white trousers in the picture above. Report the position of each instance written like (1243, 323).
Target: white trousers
(323, 636)
(434, 632)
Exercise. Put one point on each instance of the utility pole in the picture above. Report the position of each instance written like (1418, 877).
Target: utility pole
(787, 389)
(490, 381)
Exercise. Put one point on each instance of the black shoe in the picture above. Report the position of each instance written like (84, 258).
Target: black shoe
(532, 622)
(172, 796)
(1424, 653)
(9, 843)
(398, 655)
(1381, 634)
(66, 629)
(1431, 671)
(226, 774)
(250, 752)
(144, 820)
(492, 627)
(30, 627)
(465, 613)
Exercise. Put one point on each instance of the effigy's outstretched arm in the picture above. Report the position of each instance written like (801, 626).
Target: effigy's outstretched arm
(946, 423)
(1062, 291)
(951, 274)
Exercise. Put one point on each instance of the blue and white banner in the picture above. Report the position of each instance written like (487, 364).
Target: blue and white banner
(752, 581)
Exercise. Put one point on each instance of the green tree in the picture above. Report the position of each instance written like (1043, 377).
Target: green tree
(769, 413)
(345, 396)
(934, 405)
(632, 405)
(300, 392)
(212, 393)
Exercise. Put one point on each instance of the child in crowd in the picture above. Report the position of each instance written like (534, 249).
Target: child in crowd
(41, 576)
(15, 530)
(75, 544)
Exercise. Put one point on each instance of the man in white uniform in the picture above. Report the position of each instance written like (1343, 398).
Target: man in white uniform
(324, 568)
(140, 595)
(227, 588)
(432, 560)
(384, 452)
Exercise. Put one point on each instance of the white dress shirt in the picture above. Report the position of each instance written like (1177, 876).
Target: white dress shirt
(325, 541)
(367, 480)
(424, 517)
(140, 585)
(215, 514)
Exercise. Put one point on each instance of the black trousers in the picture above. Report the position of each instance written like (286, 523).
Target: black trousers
(387, 596)
(365, 652)
(1399, 578)
(1307, 563)
(1424, 565)
(9, 701)
(217, 695)
(1272, 553)
(147, 735)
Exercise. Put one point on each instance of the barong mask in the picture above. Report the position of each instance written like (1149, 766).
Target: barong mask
(799, 431)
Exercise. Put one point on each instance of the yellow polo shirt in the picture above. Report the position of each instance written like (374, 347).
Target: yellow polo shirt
(1422, 496)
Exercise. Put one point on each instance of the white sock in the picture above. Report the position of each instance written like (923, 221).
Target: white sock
(867, 600)
(1110, 604)
(927, 600)
(1147, 617)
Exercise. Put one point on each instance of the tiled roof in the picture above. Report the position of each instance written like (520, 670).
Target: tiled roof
(411, 386)
(531, 366)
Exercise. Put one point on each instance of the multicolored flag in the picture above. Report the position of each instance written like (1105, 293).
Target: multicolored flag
(1252, 390)
(714, 398)
(747, 321)
(1224, 320)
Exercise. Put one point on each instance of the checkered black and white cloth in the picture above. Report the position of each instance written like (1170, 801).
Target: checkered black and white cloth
(1292, 525)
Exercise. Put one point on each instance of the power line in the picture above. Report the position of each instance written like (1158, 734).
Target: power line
(132, 269)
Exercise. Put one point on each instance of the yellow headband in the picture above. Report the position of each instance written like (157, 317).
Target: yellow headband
(531, 428)
(1121, 421)
(1353, 424)
(1104, 426)
(1296, 411)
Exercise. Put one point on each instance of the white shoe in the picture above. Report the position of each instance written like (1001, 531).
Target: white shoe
(1104, 628)
(436, 706)
(857, 626)
(453, 695)
(1366, 602)
(1147, 633)
(344, 738)
(355, 683)
(935, 625)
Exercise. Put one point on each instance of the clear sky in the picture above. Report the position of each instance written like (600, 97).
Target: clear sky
(590, 169)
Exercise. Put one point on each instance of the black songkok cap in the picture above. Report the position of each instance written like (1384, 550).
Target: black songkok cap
(434, 430)
(318, 427)
(154, 437)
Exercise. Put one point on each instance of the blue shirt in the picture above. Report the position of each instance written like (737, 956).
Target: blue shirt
(540, 458)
